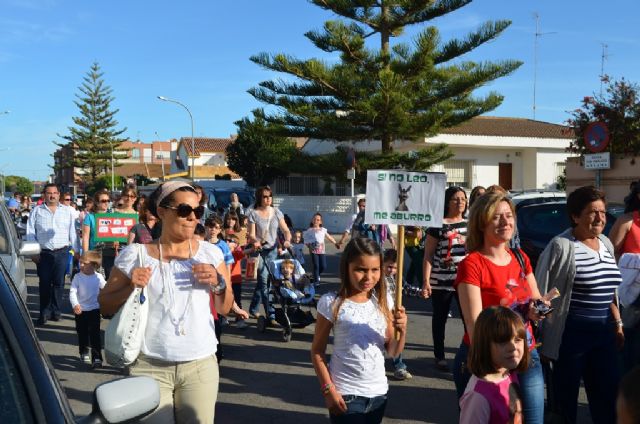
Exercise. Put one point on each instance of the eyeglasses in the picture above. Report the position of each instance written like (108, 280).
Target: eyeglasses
(230, 240)
(184, 211)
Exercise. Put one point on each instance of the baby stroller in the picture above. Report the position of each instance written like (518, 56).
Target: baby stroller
(287, 297)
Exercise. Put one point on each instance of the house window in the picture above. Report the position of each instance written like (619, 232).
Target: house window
(135, 153)
(162, 155)
(559, 170)
(458, 172)
(147, 155)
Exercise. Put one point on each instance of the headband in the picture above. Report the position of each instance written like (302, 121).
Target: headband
(169, 187)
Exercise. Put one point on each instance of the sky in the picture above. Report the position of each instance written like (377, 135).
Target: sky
(198, 52)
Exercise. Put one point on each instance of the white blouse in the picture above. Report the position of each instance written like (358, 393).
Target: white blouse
(180, 325)
(357, 361)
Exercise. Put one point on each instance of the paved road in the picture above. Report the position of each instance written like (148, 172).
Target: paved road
(263, 380)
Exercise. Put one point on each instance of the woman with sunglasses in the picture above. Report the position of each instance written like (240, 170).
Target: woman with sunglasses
(101, 200)
(179, 276)
(264, 221)
(128, 198)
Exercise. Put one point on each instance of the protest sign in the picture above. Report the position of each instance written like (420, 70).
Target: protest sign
(114, 226)
(405, 198)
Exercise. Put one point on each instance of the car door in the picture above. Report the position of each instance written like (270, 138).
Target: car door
(9, 252)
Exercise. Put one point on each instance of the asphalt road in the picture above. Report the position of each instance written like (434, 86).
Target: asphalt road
(264, 380)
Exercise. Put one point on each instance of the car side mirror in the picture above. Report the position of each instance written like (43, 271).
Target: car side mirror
(29, 248)
(124, 400)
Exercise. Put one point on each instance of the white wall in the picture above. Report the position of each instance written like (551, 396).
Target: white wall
(546, 166)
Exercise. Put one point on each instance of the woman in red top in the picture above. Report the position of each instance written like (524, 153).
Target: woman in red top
(492, 274)
(625, 236)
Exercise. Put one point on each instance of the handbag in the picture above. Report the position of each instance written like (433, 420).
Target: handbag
(126, 329)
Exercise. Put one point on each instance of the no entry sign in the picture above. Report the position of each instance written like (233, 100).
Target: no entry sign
(596, 137)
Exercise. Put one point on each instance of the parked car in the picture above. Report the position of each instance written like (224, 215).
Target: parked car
(221, 197)
(13, 251)
(539, 223)
(532, 197)
(31, 392)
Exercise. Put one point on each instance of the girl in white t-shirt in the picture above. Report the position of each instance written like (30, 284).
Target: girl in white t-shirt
(354, 383)
(498, 351)
(314, 238)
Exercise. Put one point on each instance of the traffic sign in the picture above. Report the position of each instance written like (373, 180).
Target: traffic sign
(597, 161)
(596, 137)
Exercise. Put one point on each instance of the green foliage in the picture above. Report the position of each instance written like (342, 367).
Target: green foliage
(142, 180)
(94, 134)
(619, 109)
(15, 183)
(561, 184)
(405, 91)
(104, 181)
(333, 164)
(258, 154)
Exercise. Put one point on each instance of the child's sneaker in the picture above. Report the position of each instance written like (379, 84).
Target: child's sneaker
(97, 363)
(402, 374)
(86, 358)
(241, 324)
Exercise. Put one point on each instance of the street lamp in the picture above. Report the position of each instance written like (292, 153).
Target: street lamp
(193, 148)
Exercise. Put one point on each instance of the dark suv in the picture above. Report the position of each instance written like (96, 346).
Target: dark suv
(539, 223)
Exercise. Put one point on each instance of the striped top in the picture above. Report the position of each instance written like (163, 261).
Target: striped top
(597, 278)
(450, 251)
(53, 229)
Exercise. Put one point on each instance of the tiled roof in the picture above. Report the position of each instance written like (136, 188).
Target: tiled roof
(510, 127)
(206, 144)
(205, 172)
(150, 170)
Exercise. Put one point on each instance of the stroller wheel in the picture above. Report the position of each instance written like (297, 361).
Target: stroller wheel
(262, 324)
(286, 336)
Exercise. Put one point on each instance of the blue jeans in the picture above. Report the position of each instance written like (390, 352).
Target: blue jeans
(588, 353)
(531, 384)
(398, 363)
(51, 271)
(261, 292)
(361, 410)
(319, 264)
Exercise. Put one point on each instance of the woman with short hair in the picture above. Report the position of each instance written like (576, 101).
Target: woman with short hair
(583, 332)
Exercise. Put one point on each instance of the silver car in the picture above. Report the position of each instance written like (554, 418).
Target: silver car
(13, 251)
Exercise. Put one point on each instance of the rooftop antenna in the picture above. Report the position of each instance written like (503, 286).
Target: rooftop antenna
(603, 57)
(536, 35)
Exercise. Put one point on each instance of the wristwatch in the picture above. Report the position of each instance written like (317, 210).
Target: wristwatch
(221, 286)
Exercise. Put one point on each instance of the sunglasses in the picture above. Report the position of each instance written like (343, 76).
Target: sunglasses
(103, 201)
(267, 196)
(67, 200)
(184, 211)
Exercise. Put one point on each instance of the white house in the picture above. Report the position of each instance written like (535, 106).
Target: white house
(208, 155)
(515, 153)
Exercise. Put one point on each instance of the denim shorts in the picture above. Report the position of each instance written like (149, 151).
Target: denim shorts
(361, 409)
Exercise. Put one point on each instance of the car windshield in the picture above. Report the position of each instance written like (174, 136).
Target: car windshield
(223, 198)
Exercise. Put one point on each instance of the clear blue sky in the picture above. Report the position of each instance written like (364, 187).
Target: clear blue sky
(198, 52)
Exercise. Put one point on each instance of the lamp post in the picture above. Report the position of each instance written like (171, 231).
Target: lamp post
(193, 148)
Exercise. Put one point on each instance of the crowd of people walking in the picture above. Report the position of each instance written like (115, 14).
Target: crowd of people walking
(564, 322)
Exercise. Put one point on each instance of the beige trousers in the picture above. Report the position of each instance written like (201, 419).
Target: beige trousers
(188, 390)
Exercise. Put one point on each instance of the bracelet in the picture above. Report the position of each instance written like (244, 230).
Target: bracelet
(619, 323)
(326, 389)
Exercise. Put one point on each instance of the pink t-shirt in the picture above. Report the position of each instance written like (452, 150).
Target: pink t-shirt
(489, 402)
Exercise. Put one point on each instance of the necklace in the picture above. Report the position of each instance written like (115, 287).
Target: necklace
(168, 295)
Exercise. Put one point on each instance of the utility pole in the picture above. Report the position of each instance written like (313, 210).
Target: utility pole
(603, 57)
(536, 35)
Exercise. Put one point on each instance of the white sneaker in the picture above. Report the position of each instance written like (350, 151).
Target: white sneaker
(86, 358)
(402, 374)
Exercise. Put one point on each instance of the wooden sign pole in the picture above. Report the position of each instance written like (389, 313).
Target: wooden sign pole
(400, 244)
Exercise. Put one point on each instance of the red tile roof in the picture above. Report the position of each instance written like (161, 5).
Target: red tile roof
(510, 127)
(205, 144)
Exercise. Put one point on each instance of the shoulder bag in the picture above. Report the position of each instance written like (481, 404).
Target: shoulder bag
(126, 329)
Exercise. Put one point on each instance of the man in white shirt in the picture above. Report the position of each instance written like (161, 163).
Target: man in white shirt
(52, 225)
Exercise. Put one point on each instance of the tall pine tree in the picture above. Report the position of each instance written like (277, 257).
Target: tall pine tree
(399, 92)
(94, 133)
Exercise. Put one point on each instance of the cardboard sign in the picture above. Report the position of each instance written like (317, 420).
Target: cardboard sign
(114, 226)
(405, 198)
